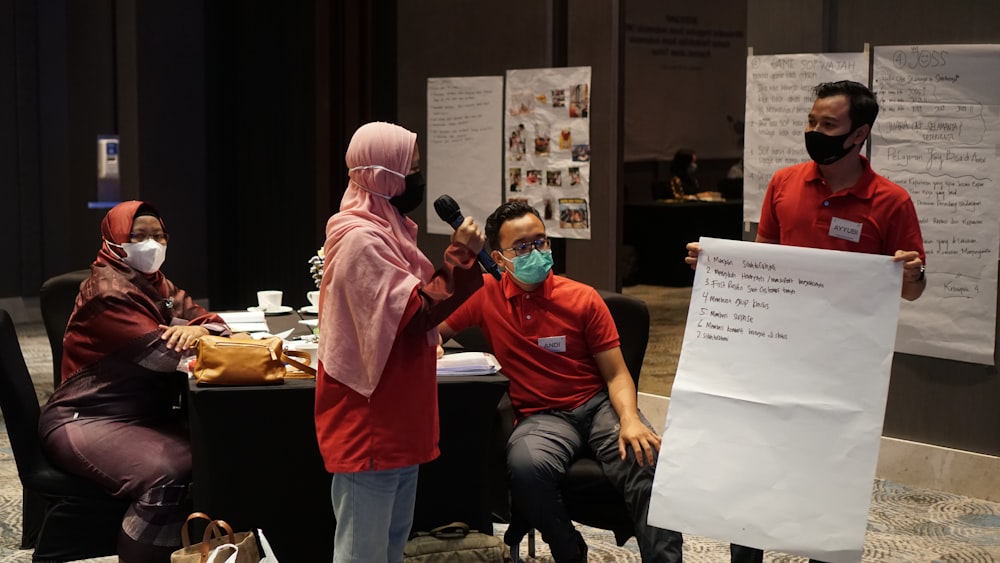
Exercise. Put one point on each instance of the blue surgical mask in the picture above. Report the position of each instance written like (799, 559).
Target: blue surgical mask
(533, 267)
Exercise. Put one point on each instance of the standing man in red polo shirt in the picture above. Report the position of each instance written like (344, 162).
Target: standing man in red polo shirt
(569, 386)
(837, 202)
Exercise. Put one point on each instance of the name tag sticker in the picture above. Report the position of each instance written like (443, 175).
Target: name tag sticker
(553, 343)
(847, 230)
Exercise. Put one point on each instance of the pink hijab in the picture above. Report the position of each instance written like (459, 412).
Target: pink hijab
(372, 263)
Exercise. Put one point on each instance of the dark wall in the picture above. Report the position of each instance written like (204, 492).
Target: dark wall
(233, 117)
(476, 45)
(547, 34)
(287, 84)
(260, 105)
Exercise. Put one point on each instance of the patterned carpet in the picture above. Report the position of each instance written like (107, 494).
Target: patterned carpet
(904, 523)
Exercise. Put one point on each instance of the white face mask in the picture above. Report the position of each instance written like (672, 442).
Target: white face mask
(146, 256)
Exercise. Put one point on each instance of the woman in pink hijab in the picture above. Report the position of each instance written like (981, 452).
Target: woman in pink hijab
(380, 303)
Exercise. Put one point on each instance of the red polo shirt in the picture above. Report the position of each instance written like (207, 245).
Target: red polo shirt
(874, 216)
(545, 340)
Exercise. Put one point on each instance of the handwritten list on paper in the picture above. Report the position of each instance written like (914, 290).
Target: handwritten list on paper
(938, 136)
(779, 97)
(464, 139)
(785, 361)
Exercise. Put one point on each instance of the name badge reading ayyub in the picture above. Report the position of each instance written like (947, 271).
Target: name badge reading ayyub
(847, 230)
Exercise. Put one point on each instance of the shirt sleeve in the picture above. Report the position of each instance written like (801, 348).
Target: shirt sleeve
(457, 279)
(905, 232)
(601, 331)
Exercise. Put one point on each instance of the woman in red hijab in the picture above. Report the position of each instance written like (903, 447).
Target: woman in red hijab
(380, 303)
(112, 420)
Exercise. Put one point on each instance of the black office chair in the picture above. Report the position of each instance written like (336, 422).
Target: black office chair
(588, 495)
(56, 300)
(80, 520)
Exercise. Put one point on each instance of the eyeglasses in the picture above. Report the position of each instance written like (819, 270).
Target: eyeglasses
(141, 237)
(526, 247)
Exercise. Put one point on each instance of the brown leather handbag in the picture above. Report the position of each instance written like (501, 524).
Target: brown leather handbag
(243, 361)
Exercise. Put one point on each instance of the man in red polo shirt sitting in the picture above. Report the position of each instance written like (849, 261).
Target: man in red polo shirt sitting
(569, 385)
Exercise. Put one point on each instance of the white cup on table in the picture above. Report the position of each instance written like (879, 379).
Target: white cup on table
(313, 297)
(269, 300)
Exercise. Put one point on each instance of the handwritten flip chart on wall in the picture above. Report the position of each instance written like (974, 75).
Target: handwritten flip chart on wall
(779, 97)
(785, 362)
(464, 128)
(938, 136)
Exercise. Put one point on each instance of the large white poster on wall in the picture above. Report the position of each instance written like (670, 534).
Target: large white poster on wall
(464, 135)
(938, 136)
(784, 368)
(547, 133)
(779, 96)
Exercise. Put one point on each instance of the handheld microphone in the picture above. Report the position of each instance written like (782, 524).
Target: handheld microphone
(449, 212)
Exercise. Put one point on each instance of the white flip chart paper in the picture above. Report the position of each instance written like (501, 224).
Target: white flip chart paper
(772, 435)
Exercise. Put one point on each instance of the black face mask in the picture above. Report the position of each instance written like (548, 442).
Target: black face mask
(827, 149)
(412, 196)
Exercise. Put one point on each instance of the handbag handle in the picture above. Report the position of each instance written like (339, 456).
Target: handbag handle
(217, 552)
(451, 531)
(286, 356)
(212, 531)
(185, 536)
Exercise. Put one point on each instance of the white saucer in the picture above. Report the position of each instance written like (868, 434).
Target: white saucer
(310, 310)
(282, 310)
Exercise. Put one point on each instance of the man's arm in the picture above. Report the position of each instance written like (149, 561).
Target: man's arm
(622, 392)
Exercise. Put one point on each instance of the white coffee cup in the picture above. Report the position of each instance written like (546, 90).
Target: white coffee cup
(269, 300)
(313, 297)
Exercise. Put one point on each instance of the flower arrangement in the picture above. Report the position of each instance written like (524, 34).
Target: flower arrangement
(316, 267)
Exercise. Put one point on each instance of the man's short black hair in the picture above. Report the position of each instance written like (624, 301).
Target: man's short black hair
(507, 211)
(863, 105)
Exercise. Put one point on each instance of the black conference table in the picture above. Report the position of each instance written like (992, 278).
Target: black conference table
(257, 463)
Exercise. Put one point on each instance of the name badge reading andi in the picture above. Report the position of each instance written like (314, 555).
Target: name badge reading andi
(847, 230)
(553, 343)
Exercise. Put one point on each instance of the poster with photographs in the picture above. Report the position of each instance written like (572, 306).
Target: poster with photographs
(547, 140)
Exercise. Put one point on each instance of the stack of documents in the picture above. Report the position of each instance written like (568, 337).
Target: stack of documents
(468, 363)
(245, 321)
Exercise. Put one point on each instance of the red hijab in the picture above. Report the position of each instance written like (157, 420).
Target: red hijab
(120, 309)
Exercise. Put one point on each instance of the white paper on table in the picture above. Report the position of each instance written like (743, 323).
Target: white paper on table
(468, 363)
(245, 321)
(776, 411)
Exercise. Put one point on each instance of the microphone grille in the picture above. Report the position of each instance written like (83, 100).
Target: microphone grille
(446, 207)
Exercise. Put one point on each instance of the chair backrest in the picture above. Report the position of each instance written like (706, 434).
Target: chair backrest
(631, 316)
(19, 402)
(56, 300)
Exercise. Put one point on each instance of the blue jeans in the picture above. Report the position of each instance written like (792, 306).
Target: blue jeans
(374, 512)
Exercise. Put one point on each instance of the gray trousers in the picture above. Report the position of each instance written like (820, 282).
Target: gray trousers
(543, 446)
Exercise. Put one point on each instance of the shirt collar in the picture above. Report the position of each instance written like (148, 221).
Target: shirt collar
(864, 188)
(512, 290)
